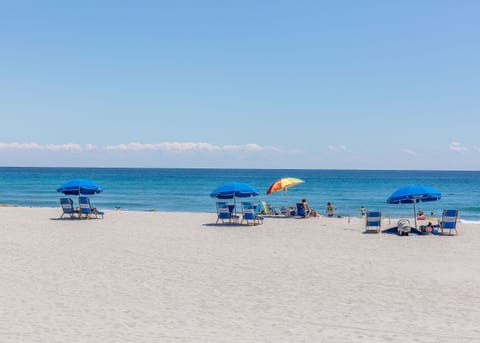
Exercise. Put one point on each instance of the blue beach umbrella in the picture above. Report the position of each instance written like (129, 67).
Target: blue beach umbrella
(79, 186)
(413, 194)
(234, 190)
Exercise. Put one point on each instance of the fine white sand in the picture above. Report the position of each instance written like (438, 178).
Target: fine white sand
(175, 277)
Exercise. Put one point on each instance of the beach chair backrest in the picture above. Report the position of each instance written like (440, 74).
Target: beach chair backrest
(223, 210)
(247, 205)
(374, 218)
(85, 207)
(248, 210)
(449, 219)
(373, 221)
(67, 205)
(250, 213)
(221, 204)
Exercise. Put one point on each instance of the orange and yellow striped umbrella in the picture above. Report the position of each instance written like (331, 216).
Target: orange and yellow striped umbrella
(283, 183)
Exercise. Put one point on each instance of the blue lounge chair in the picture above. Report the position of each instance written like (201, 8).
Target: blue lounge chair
(67, 207)
(449, 221)
(250, 213)
(87, 210)
(373, 221)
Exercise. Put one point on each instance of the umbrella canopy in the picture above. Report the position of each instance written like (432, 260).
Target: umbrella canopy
(79, 186)
(412, 195)
(234, 190)
(283, 184)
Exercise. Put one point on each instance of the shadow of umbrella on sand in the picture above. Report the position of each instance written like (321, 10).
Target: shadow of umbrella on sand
(413, 194)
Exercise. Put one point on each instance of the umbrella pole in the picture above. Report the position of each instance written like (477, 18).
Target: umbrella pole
(79, 210)
(415, 212)
(288, 202)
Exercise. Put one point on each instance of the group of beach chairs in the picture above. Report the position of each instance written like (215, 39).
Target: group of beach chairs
(448, 223)
(84, 210)
(298, 211)
(252, 213)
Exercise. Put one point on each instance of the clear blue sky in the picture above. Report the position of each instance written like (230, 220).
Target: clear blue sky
(251, 84)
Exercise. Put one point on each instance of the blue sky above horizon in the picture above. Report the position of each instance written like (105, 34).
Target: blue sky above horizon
(250, 84)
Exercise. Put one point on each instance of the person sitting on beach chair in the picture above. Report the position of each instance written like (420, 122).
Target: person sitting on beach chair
(304, 210)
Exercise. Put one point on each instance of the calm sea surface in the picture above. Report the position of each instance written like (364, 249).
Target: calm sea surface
(188, 189)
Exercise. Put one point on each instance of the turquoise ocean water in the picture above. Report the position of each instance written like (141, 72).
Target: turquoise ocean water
(188, 189)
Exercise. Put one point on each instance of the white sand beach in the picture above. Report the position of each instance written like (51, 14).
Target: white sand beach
(175, 277)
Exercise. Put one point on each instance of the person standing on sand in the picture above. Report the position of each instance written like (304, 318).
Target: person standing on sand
(330, 209)
(363, 212)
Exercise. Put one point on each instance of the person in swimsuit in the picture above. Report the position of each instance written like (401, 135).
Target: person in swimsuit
(330, 209)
